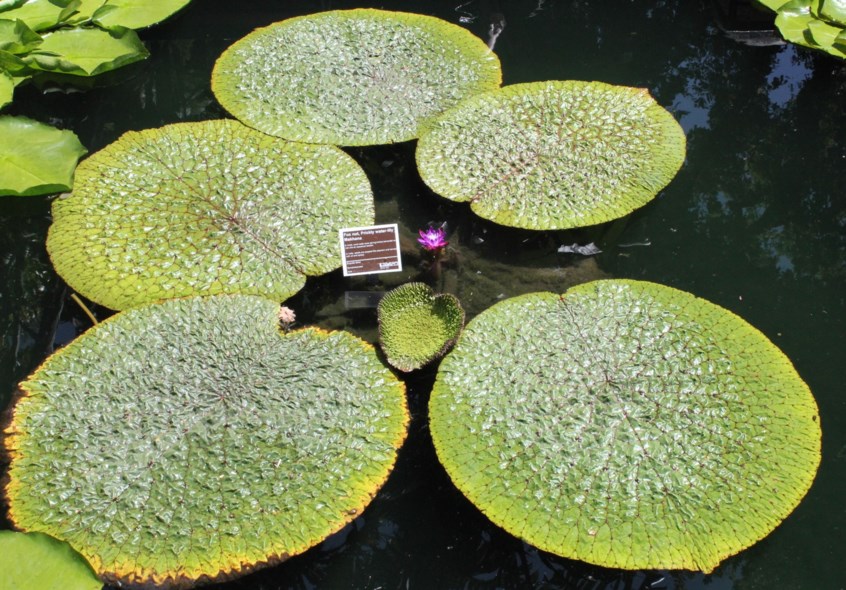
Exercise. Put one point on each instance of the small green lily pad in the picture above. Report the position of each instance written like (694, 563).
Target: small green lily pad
(193, 441)
(625, 424)
(818, 24)
(137, 14)
(36, 159)
(833, 11)
(40, 15)
(553, 155)
(352, 77)
(205, 208)
(16, 37)
(35, 561)
(416, 326)
(86, 51)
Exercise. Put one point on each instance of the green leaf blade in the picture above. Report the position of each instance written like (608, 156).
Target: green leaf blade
(625, 424)
(205, 208)
(137, 14)
(204, 442)
(16, 37)
(87, 51)
(553, 155)
(416, 326)
(36, 159)
(354, 77)
(36, 561)
(41, 15)
(834, 11)
(7, 89)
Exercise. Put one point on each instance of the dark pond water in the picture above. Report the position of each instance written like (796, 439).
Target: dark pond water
(755, 222)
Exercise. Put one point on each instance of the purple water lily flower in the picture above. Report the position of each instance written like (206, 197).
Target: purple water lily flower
(433, 238)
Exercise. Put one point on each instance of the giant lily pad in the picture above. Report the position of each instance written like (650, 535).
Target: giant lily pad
(205, 208)
(36, 159)
(36, 561)
(353, 77)
(626, 424)
(553, 155)
(416, 326)
(193, 440)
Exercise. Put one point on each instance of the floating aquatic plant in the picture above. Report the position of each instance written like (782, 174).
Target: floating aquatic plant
(818, 24)
(35, 561)
(626, 424)
(36, 159)
(553, 155)
(204, 208)
(192, 440)
(42, 15)
(84, 51)
(352, 77)
(416, 326)
(133, 14)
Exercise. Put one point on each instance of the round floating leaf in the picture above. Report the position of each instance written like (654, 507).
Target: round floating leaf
(86, 51)
(626, 424)
(812, 24)
(39, 15)
(193, 440)
(205, 208)
(833, 11)
(553, 155)
(36, 561)
(16, 37)
(416, 326)
(36, 159)
(136, 14)
(353, 77)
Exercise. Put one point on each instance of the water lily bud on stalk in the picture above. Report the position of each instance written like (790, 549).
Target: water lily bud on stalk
(432, 239)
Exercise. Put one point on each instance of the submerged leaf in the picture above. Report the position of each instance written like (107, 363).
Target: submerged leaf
(192, 440)
(205, 208)
(416, 326)
(35, 561)
(352, 77)
(36, 159)
(553, 155)
(625, 424)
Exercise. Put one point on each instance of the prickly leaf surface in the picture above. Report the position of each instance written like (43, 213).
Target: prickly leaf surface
(352, 77)
(191, 440)
(625, 424)
(416, 326)
(205, 208)
(553, 155)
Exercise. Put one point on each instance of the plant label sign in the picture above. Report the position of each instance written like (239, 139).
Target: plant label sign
(370, 250)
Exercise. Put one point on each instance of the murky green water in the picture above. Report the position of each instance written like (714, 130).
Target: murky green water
(755, 222)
